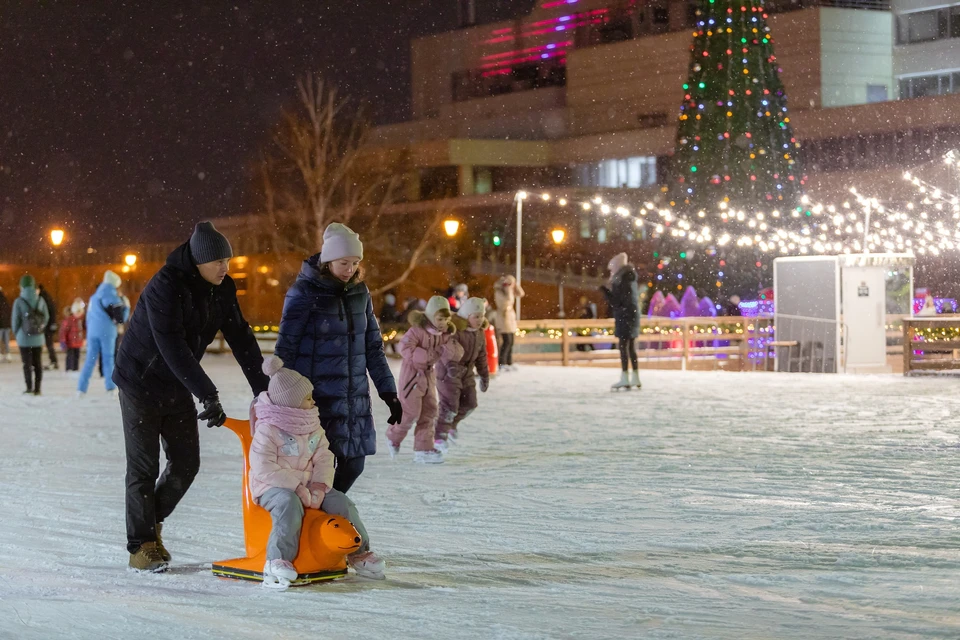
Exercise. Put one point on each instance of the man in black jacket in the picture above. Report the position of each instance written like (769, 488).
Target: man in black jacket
(158, 372)
(52, 328)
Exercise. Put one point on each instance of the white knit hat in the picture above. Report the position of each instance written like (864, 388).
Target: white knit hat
(618, 262)
(78, 306)
(339, 241)
(472, 306)
(287, 388)
(434, 304)
(112, 278)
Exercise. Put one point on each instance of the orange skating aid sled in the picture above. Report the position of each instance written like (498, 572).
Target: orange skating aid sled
(325, 540)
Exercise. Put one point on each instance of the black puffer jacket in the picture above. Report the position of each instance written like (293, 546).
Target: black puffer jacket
(623, 297)
(329, 334)
(177, 317)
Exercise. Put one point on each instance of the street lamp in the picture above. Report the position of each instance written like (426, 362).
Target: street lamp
(130, 259)
(558, 235)
(450, 227)
(56, 239)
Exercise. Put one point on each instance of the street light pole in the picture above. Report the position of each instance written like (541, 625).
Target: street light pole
(56, 239)
(520, 197)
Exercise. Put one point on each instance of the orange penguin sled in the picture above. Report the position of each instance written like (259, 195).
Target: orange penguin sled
(325, 540)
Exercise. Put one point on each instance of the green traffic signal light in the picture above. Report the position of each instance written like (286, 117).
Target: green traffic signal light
(496, 240)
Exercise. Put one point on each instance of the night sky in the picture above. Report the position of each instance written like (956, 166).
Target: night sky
(129, 121)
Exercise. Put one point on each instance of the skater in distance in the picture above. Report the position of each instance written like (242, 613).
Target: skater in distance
(623, 298)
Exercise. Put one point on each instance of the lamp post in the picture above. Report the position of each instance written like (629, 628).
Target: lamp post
(56, 239)
(451, 227)
(520, 197)
(558, 235)
(130, 266)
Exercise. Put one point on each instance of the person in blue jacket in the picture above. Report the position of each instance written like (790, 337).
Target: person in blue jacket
(29, 318)
(105, 311)
(329, 334)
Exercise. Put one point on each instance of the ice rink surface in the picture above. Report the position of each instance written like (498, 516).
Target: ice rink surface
(707, 505)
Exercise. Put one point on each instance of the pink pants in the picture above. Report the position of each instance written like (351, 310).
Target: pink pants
(419, 406)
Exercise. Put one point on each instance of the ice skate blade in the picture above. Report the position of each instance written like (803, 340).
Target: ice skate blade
(224, 571)
(157, 570)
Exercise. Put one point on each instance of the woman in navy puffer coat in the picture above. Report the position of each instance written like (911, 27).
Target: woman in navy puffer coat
(329, 334)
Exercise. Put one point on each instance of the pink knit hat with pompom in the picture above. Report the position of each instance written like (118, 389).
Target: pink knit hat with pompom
(287, 388)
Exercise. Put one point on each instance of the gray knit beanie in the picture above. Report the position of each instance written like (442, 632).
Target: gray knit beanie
(287, 388)
(209, 245)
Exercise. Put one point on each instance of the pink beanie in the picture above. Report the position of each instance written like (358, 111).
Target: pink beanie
(287, 388)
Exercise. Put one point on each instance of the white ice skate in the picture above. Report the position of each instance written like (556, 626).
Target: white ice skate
(367, 565)
(441, 446)
(452, 436)
(635, 379)
(278, 574)
(392, 449)
(428, 457)
(623, 384)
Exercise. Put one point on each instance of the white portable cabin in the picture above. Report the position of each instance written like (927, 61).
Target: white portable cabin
(830, 311)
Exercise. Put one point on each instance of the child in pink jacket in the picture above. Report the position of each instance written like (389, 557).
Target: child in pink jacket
(421, 347)
(456, 382)
(291, 469)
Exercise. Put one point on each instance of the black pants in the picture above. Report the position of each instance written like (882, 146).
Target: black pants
(150, 500)
(73, 360)
(506, 349)
(628, 348)
(51, 337)
(348, 470)
(32, 358)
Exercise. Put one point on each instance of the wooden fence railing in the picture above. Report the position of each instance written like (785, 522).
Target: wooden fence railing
(931, 344)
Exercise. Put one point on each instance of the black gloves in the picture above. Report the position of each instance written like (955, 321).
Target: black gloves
(212, 412)
(484, 384)
(396, 411)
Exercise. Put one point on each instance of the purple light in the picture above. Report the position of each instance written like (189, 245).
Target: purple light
(561, 28)
(544, 55)
(551, 46)
(565, 18)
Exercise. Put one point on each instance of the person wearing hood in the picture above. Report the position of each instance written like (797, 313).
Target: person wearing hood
(456, 381)
(71, 333)
(623, 297)
(5, 312)
(505, 293)
(105, 311)
(389, 314)
(179, 314)
(429, 337)
(29, 318)
(329, 334)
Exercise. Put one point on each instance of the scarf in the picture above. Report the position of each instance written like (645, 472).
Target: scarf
(295, 421)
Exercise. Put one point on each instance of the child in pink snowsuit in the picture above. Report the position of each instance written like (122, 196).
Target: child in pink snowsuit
(291, 469)
(456, 382)
(428, 337)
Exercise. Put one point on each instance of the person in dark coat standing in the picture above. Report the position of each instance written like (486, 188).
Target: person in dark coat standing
(5, 312)
(623, 297)
(158, 372)
(329, 334)
(53, 328)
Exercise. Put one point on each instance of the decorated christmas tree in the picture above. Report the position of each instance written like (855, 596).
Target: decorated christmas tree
(735, 149)
(734, 140)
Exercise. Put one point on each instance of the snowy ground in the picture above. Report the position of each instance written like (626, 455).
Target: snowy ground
(709, 505)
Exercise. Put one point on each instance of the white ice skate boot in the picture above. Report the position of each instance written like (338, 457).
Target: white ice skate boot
(623, 384)
(428, 457)
(441, 446)
(367, 565)
(278, 574)
(635, 379)
(392, 449)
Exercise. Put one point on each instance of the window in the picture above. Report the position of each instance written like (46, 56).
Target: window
(935, 84)
(876, 93)
(629, 173)
(924, 26)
